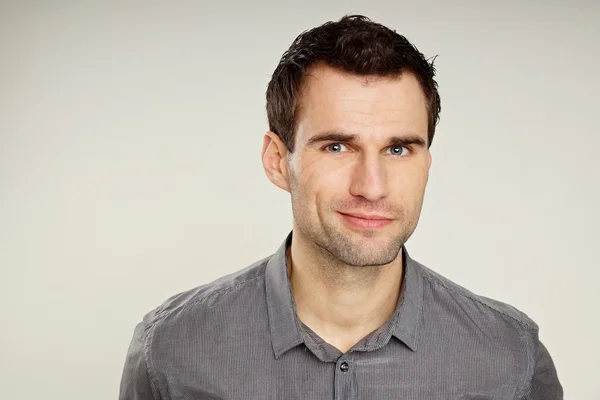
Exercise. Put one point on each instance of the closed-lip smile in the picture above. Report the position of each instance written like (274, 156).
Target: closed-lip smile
(367, 216)
(365, 221)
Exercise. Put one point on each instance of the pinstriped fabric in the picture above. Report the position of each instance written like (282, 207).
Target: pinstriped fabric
(240, 338)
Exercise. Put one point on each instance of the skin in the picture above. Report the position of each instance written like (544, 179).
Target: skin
(360, 149)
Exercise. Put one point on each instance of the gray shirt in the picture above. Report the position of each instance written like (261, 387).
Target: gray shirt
(240, 338)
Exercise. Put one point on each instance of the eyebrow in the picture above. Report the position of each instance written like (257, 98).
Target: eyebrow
(341, 137)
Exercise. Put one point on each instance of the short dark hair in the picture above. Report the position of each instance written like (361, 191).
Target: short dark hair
(354, 44)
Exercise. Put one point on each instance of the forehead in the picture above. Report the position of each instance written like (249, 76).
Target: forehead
(370, 106)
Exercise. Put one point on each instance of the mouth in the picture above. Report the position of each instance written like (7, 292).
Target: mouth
(363, 221)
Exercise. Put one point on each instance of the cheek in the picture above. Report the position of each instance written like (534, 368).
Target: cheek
(321, 186)
(408, 184)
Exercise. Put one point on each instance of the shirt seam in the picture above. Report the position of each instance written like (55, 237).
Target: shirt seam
(521, 323)
(152, 378)
(526, 329)
(161, 314)
(531, 356)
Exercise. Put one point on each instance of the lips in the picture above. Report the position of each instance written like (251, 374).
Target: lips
(366, 221)
(366, 216)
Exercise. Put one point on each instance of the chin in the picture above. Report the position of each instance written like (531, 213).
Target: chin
(368, 260)
(366, 252)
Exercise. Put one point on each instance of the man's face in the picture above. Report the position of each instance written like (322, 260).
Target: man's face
(360, 164)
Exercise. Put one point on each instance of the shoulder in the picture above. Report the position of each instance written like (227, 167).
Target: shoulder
(209, 300)
(483, 309)
(492, 329)
(192, 322)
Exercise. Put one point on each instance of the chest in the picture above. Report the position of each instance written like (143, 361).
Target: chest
(392, 373)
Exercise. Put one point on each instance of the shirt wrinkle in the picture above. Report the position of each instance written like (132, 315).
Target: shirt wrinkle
(521, 318)
(240, 337)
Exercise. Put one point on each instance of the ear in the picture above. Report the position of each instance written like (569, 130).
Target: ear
(274, 160)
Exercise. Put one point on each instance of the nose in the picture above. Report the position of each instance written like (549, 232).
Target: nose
(369, 179)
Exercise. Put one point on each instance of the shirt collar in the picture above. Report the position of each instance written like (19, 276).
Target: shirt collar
(405, 323)
(283, 319)
(285, 326)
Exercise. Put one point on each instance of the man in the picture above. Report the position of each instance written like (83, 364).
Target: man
(341, 311)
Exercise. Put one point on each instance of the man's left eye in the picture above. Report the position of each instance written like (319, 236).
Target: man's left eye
(397, 150)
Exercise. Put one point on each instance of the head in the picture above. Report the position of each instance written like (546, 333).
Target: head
(352, 109)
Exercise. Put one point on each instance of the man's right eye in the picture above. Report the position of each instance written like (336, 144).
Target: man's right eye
(335, 148)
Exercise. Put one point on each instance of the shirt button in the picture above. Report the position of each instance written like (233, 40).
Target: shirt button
(344, 367)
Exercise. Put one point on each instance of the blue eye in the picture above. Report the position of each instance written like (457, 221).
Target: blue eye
(397, 150)
(335, 148)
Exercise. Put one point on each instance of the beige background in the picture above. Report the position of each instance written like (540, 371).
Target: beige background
(130, 136)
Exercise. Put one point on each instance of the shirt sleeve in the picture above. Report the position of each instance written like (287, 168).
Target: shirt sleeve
(135, 382)
(544, 383)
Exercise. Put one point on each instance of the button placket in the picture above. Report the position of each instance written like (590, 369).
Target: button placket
(345, 380)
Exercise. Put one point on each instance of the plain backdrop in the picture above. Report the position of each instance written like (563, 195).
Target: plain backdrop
(130, 138)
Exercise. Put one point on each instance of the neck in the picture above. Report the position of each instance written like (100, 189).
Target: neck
(341, 303)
